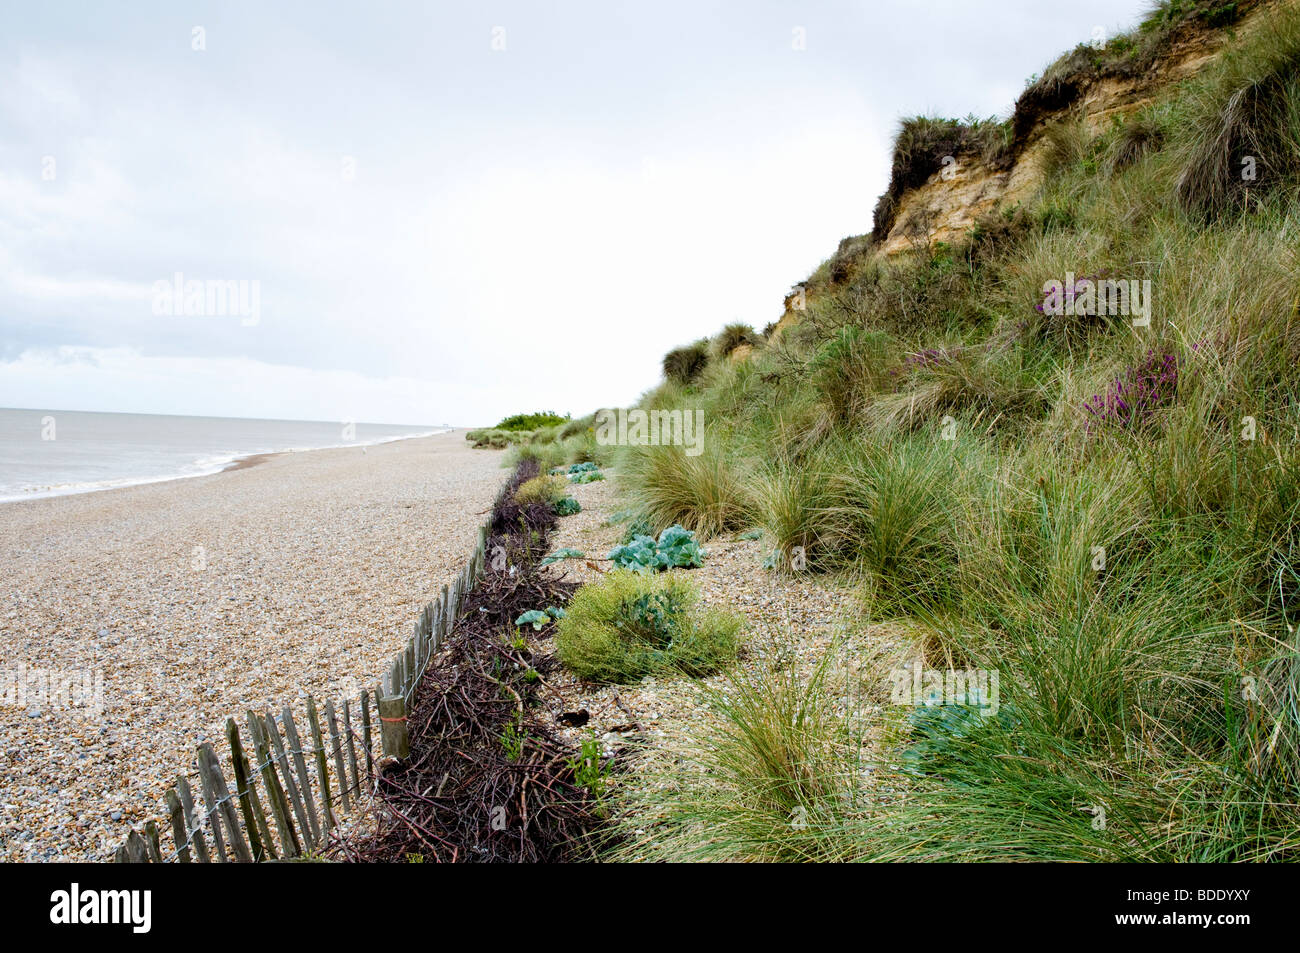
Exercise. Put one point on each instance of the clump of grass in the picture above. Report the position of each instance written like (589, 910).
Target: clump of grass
(732, 337)
(630, 625)
(1134, 139)
(495, 439)
(849, 369)
(541, 489)
(1245, 123)
(546, 455)
(705, 493)
(683, 365)
(772, 776)
(797, 506)
(894, 508)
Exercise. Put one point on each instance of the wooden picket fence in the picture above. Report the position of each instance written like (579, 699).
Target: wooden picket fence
(296, 810)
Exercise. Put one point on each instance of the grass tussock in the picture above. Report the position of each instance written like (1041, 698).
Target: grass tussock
(684, 365)
(542, 489)
(630, 625)
(1244, 142)
(1103, 513)
(706, 493)
(773, 777)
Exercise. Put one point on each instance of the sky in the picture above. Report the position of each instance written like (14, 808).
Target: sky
(448, 212)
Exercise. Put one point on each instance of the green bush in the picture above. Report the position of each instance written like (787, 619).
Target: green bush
(567, 506)
(531, 421)
(541, 489)
(630, 625)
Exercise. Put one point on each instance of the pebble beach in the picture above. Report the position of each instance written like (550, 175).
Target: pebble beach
(192, 600)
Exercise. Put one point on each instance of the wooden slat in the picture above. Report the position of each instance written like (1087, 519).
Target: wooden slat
(210, 799)
(244, 789)
(350, 739)
(290, 785)
(151, 841)
(304, 777)
(337, 747)
(366, 741)
(179, 834)
(274, 793)
(133, 850)
(196, 831)
(435, 630)
(322, 769)
(215, 780)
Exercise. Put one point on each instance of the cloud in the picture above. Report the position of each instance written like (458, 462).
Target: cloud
(123, 380)
(432, 221)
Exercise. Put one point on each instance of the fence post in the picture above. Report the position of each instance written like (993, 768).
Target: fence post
(392, 720)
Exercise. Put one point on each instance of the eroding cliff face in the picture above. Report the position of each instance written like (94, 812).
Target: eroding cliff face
(958, 193)
(950, 202)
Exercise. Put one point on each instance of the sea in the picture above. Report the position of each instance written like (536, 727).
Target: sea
(56, 452)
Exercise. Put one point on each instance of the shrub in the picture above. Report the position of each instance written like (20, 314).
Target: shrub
(531, 421)
(1132, 399)
(683, 365)
(630, 625)
(567, 506)
(540, 489)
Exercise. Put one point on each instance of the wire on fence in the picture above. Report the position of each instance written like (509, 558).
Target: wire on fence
(248, 833)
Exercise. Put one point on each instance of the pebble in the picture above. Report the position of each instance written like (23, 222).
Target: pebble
(329, 556)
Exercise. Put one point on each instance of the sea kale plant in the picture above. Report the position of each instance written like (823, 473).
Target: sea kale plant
(675, 548)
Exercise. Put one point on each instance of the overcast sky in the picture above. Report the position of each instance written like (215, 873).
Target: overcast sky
(452, 211)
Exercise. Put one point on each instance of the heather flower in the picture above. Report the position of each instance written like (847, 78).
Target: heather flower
(1133, 398)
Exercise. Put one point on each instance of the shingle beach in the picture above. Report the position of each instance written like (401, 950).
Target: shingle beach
(196, 599)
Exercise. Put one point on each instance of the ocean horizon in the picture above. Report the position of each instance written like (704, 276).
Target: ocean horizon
(46, 453)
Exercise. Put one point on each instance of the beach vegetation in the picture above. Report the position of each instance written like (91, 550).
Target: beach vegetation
(1103, 511)
(629, 625)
